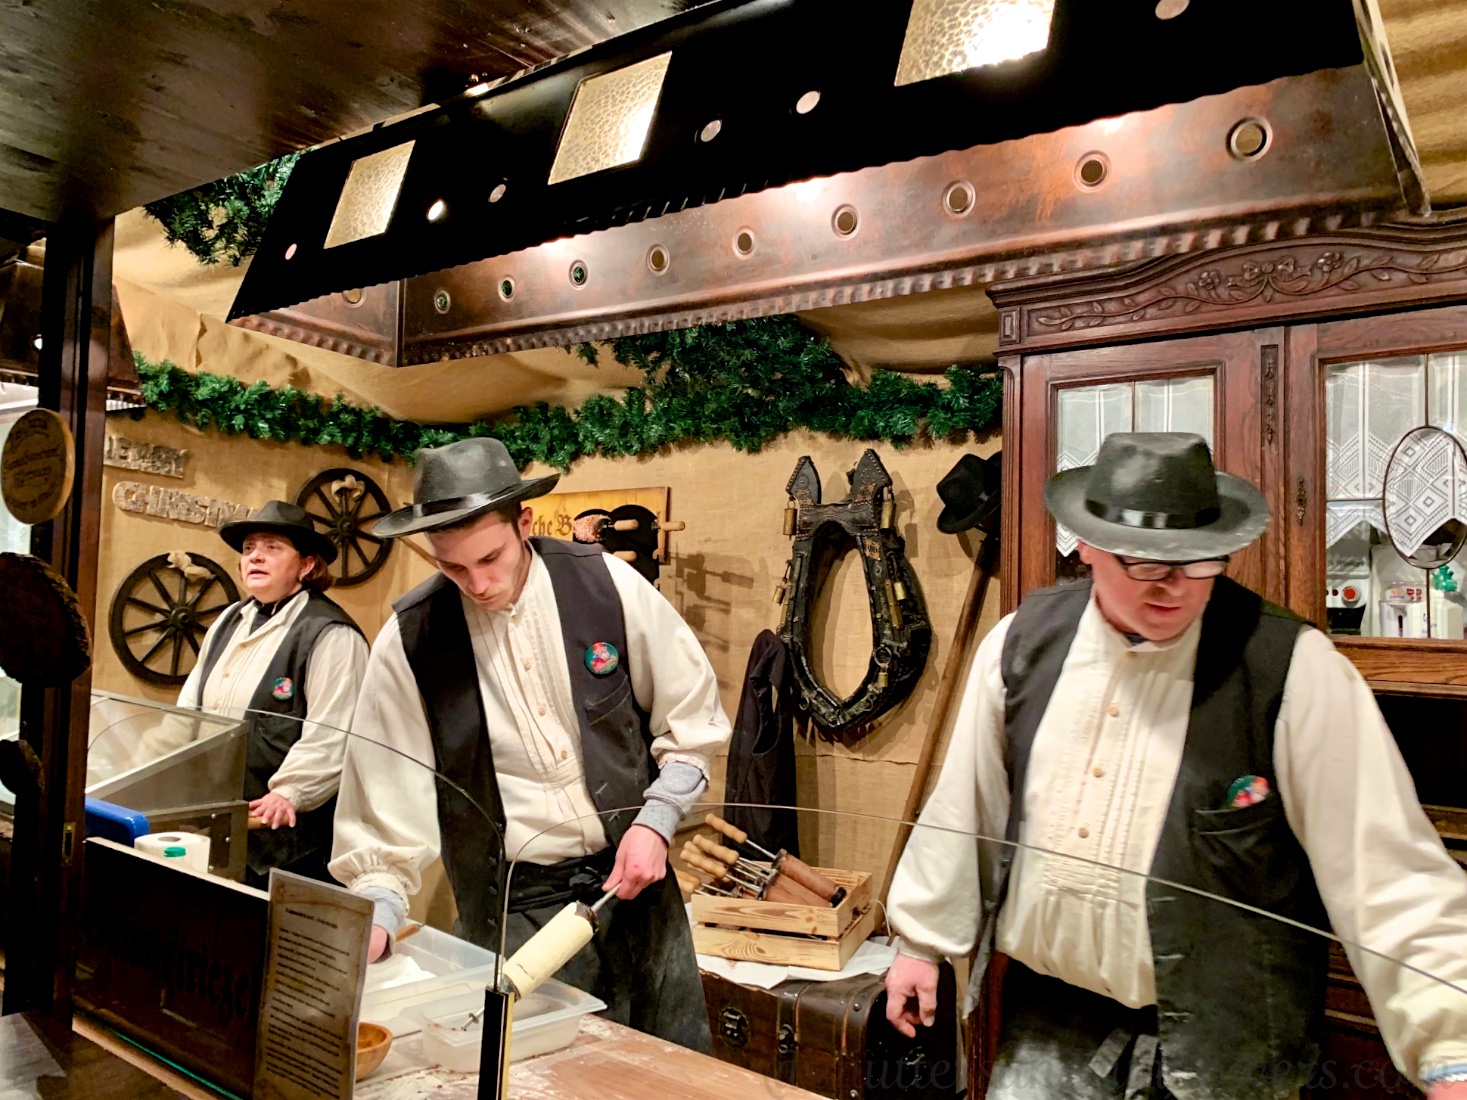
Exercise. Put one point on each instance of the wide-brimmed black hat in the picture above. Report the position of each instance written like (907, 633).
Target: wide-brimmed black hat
(970, 495)
(281, 518)
(458, 482)
(1157, 496)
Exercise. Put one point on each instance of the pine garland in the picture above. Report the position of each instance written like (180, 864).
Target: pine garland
(224, 220)
(747, 382)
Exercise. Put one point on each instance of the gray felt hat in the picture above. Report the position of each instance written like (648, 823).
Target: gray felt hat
(1157, 496)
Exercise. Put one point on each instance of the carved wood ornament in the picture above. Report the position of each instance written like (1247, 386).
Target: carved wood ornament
(1347, 271)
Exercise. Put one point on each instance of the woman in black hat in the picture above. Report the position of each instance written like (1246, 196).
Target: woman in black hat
(292, 659)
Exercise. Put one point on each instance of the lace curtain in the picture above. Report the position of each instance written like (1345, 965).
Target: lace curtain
(1088, 414)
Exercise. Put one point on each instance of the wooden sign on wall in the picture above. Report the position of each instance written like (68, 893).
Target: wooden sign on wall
(37, 466)
(555, 514)
(149, 458)
(154, 500)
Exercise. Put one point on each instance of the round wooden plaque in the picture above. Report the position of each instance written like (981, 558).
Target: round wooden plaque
(37, 466)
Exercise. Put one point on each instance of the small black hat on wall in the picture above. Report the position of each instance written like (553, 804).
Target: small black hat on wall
(970, 494)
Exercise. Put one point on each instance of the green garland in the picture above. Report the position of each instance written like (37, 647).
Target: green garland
(746, 382)
(224, 220)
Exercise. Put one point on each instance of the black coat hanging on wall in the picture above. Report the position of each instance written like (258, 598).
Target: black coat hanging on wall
(900, 631)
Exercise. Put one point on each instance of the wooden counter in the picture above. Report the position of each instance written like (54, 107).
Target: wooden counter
(606, 1062)
(39, 1058)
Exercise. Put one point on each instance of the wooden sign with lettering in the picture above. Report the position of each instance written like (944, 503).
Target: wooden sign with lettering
(555, 514)
(150, 458)
(174, 960)
(37, 466)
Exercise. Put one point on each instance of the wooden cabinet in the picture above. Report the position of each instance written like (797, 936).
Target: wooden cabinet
(1326, 371)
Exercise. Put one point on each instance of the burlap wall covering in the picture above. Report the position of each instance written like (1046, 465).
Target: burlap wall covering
(721, 578)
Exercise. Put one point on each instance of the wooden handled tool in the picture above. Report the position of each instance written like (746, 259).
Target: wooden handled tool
(791, 866)
(717, 851)
(762, 882)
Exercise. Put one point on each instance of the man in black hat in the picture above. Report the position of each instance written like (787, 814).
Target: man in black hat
(561, 698)
(1160, 719)
(291, 661)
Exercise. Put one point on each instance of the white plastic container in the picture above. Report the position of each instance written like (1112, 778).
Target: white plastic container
(452, 966)
(546, 1020)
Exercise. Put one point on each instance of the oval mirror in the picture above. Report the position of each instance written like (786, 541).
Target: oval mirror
(1426, 497)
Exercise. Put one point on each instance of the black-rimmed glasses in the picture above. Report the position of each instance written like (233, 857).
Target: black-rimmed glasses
(1162, 570)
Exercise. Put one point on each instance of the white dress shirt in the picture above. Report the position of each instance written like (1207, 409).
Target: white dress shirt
(1103, 765)
(387, 820)
(311, 770)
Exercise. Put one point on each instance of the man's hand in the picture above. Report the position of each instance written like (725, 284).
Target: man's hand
(378, 944)
(641, 860)
(911, 995)
(1448, 1090)
(274, 810)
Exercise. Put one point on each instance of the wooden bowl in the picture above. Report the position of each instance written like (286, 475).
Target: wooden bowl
(373, 1042)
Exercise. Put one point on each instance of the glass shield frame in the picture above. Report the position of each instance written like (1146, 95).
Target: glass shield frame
(395, 798)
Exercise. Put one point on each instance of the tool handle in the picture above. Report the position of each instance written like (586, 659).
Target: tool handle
(717, 851)
(625, 555)
(791, 892)
(807, 876)
(673, 525)
(626, 525)
(699, 862)
(738, 836)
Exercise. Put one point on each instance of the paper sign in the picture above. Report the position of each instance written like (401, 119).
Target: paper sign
(315, 968)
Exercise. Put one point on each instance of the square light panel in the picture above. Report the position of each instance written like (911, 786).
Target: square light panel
(952, 36)
(610, 119)
(370, 195)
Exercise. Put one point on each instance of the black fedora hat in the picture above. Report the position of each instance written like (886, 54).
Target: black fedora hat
(970, 495)
(281, 518)
(459, 482)
(1157, 496)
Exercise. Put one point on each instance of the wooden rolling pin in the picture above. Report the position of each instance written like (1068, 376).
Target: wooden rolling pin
(793, 868)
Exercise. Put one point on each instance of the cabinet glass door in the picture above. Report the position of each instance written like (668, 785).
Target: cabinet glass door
(1396, 484)
(1087, 414)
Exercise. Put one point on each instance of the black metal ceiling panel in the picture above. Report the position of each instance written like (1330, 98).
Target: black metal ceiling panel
(746, 65)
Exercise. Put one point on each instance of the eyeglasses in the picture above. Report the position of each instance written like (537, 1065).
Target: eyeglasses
(1162, 570)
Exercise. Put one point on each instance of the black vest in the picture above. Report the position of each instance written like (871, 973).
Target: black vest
(761, 755)
(275, 726)
(616, 741)
(1240, 997)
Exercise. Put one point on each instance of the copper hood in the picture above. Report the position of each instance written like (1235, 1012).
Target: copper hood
(1125, 136)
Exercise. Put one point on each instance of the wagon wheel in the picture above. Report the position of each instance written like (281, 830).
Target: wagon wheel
(343, 504)
(161, 611)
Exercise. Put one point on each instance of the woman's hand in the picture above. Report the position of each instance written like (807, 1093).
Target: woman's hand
(274, 810)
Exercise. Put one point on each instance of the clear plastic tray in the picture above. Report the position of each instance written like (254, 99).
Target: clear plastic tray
(453, 966)
(546, 1020)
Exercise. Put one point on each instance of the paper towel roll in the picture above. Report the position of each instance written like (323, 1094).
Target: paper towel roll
(195, 854)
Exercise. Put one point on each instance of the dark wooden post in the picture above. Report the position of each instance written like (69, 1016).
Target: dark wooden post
(45, 894)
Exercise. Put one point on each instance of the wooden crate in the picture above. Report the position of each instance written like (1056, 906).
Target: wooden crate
(817, 936)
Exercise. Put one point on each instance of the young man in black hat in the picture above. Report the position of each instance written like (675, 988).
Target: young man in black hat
(293, 660)
(557, 687)
(1164, 720)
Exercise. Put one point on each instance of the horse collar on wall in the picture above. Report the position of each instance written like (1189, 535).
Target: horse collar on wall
(900, 630)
